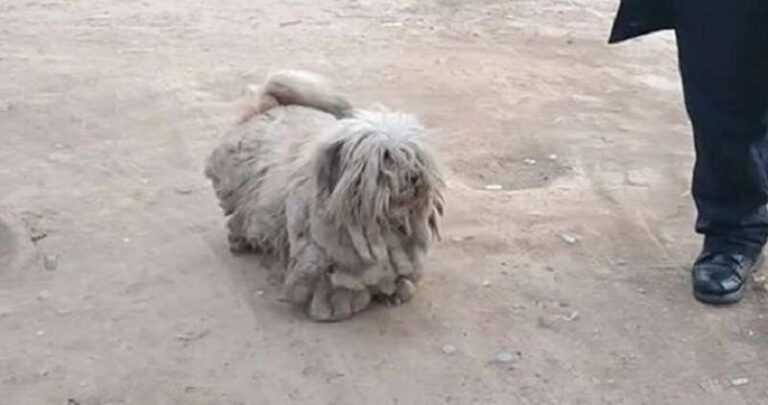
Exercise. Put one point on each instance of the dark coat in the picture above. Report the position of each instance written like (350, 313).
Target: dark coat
(640, 17)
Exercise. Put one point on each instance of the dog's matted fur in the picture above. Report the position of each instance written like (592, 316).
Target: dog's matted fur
(348, 200)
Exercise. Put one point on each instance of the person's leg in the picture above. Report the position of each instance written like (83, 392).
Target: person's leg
(723, 51)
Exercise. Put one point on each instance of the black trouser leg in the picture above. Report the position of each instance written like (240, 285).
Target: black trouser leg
(723, 52)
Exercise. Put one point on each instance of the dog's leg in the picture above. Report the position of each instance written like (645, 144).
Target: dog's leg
(306, 259)
(407, 259)
(307, 265)
(417, 259)
(320, 308)
(400, 261)
(309, 274)
(416, 247)
(405, 266)
(406, 283)
(238, 243)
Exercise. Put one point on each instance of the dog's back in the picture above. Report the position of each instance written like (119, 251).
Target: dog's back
(292, 107)
(239, 165)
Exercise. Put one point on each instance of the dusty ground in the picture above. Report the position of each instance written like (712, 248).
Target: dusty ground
(108, 109)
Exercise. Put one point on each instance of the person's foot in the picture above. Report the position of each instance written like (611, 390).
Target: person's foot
(720, 278)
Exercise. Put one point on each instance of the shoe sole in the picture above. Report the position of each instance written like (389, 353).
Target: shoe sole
(727, 299)
(733, 297)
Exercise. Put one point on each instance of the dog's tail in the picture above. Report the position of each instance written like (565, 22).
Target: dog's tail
(296, 87)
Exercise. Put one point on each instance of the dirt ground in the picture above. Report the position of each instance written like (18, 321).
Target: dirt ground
(567, 286)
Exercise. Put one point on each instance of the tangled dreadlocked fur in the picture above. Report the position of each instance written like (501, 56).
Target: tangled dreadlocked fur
(349, 200)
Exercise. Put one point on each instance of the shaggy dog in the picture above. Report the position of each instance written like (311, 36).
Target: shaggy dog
(347, 200)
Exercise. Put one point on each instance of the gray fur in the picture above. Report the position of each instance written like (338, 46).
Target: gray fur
(348, 200)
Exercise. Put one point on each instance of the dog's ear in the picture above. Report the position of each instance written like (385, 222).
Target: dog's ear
(328, 167)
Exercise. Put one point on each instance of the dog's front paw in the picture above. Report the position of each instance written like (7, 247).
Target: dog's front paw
(336, 304)
(403, 292)
(406, 289)
(239, 245)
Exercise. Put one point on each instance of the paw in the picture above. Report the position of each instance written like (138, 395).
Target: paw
(404, 291)
(336, 304)
(300, 284)
(238, 244)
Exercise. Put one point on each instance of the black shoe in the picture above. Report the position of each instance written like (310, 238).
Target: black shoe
(720, 278)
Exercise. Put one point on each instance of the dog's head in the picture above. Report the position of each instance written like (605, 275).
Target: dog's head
(374, 171)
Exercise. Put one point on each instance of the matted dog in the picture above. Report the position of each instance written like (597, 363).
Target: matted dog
(348, 200)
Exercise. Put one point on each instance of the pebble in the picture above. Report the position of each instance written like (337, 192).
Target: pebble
(486, 283)
(50, 262)
(36, 235)
(738, 382)
(260, 293)
(572, 317)
(494, 187)
(449, 349)
(290, 23)
(530, 162)
(505, 357)
(184, 190)
(251, 90)
(569, 239)
(553, 157)
(40, 333)
(638, 178)
(61, 157)
(191, 337)
(761, 282)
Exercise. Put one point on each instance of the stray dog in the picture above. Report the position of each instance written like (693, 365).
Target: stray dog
(347, 200)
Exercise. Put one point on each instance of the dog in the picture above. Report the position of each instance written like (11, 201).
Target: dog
(347, 200)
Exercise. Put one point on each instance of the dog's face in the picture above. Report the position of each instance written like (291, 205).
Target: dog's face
(374, 171)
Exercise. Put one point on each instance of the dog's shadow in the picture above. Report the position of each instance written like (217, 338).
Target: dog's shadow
(255, 278)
